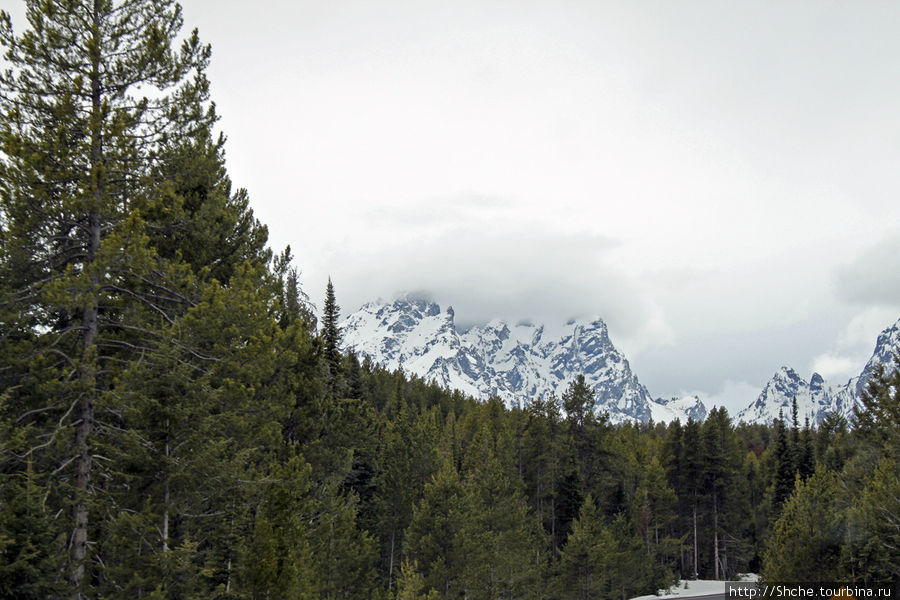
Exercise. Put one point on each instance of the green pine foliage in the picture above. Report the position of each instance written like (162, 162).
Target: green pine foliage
(331, 338)
(582, 572)
(806, 541)
(175, 424)
(434, 532)
(411, 585)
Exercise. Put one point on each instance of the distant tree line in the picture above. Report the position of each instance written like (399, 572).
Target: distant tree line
(176, 424)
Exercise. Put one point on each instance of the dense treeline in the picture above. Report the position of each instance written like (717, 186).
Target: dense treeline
(174, 423)
(842, 521)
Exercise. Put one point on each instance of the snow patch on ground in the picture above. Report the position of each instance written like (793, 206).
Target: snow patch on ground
(698, 587)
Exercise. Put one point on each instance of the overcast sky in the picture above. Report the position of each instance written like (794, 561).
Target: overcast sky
(719, 181)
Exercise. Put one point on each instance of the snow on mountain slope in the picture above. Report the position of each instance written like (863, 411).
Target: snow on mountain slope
(816, 397)
(666, 410)
(887, 343)
(514, 362)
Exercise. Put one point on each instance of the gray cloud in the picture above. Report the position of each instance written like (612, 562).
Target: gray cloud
(873, 276)
(493, 269)
(690, 172)
(456, 210)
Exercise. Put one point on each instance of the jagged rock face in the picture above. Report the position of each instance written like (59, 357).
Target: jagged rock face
(888, 343)
(514, 362)
(816, 397)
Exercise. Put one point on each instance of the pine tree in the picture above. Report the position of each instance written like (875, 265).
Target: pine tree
(723, 491)
(408, 459)
(872, 548)
(581, 567)
(805, 544)
(873, 523)
(433, 533)
(276, 564)
(832, 442)
(411, 585)
(27, 561)
(603, 561)
(197, 218)
(194, 427)
(498, 540)
(806, 462)
(578, 402)
(79, 143)
(295, 304)
(879, 421)
(542, 458)
(343, 555)
(692, 473)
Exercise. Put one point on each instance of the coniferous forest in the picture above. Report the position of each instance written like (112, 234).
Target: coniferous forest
(175, 422)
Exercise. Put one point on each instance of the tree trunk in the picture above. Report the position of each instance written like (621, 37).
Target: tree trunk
(165, 517)
(391, 562)
(85, 424)
(696, 553)
(84, 430)
(716, 536)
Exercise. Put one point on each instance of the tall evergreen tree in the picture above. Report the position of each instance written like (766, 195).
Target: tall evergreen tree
(498, 539)
(723, 491)
(79, 141)
(542, 461)
(784, 475)
(581, 568)
(331, 337)
(692, 469)
(433, 533)
(879, 422)
(805, 544)
(832, 442)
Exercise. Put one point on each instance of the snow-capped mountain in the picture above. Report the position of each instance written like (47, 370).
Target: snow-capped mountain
(816, 397)
(514, 362)
(888, 342)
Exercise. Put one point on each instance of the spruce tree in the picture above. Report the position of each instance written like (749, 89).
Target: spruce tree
(331, 337)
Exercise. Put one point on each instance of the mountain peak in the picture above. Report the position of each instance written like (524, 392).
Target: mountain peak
(417, 302)
(817, 398)
(517, 362)
(816, 382)
(887, 343)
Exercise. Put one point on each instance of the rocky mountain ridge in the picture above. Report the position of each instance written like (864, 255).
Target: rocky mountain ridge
(518, 362)
(513, 362)
(816, 397)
